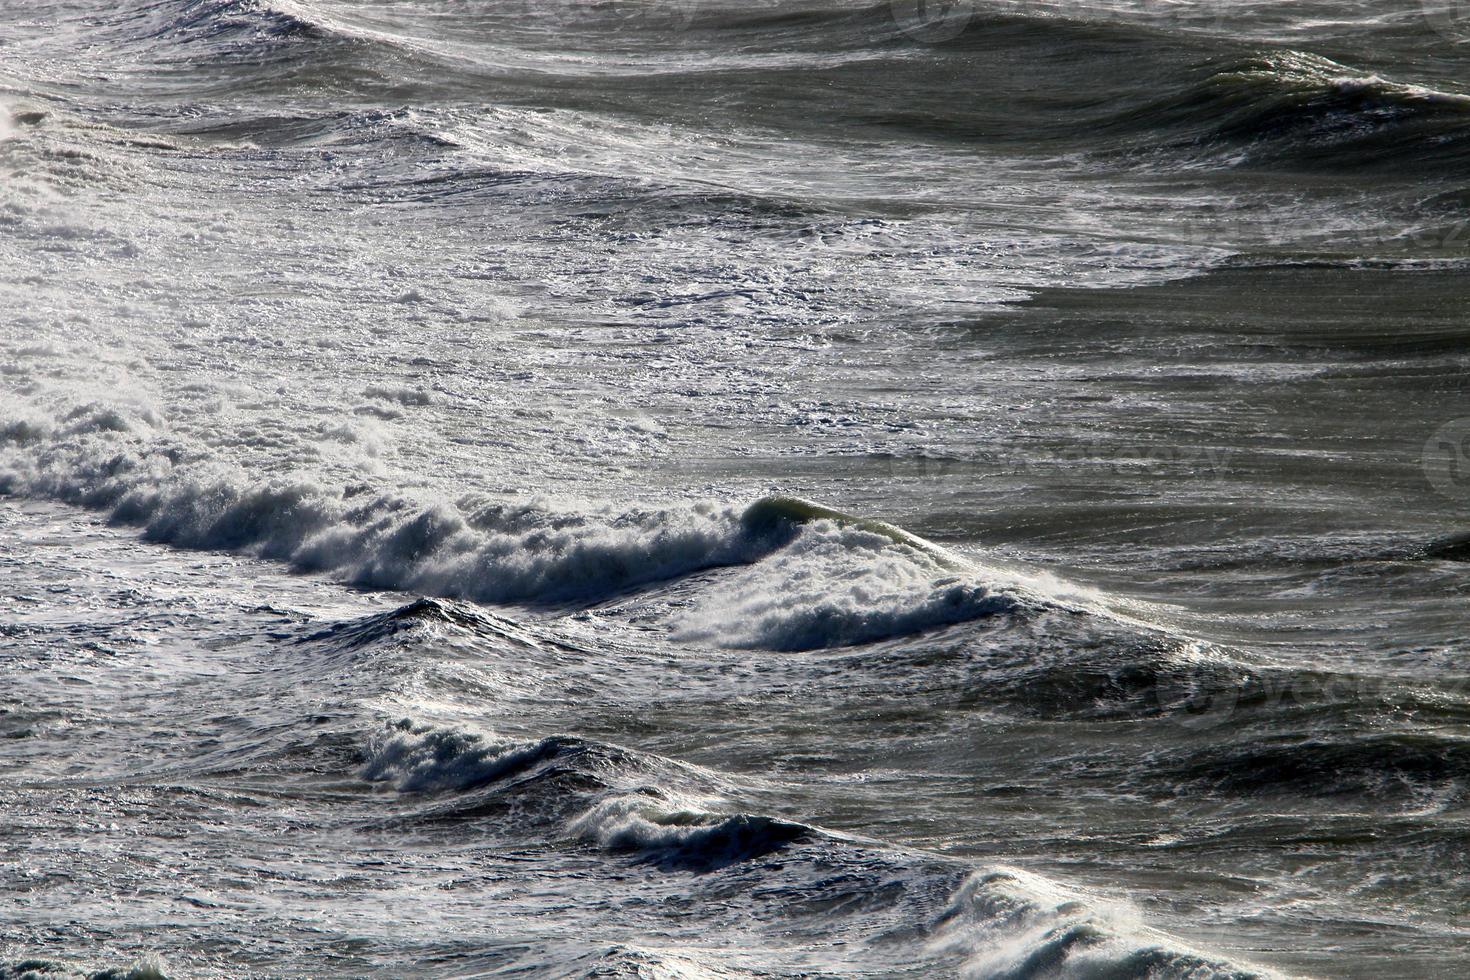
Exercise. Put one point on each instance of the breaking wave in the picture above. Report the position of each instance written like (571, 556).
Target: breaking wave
(244, 22)
(996, 922)
(476, 549)
(818, 577)
(1297, 109)
(838, 585)
(52, 970)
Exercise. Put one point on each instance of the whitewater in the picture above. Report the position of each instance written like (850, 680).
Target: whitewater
(733, 488)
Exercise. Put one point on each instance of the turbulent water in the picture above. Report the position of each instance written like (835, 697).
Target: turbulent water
(734, 488)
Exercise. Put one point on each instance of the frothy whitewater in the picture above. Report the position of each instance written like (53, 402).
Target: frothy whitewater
(732, 488)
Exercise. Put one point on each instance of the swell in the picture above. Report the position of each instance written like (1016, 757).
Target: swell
(238, 22)
(1163, 104)
(1300, 110)
(1354, 764)
(836, 579)
(836, 27)
(1283, 106)
(1051, 84)
(570, 789)
(38, 969)
(928, 913)
(191, 51)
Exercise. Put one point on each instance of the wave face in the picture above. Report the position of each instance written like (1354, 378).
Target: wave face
(1298, 110)
(117, 458)
(573, 791)
(732, 488)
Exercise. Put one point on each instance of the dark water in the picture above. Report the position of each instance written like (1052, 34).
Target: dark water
(400, 404)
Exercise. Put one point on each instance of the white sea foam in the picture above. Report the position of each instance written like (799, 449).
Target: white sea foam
(1010, 924)
(836, 585)
(827, 583)
(120, 457)
(150, 968)
(644, 821)
(402, 394)
(431, 760)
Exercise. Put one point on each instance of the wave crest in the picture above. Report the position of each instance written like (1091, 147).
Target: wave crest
(1013, 925)
(678, 832)
(247, 22)
(435, 760)
(840, 584)
(473, 548)
(1300, 109)
(148, 969)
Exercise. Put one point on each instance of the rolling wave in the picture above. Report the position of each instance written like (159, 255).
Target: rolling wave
(100, 456)
(818, 577)
(1173, 100)
(36, 969)
(239, 22)
(1296, 109)
(667, 816)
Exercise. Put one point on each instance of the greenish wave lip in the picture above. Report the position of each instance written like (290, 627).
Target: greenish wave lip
(770, 513)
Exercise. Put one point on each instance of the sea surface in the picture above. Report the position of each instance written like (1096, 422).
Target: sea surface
(734, 488)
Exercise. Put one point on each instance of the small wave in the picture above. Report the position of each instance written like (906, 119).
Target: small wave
(245, 22)
(679, 832)
(1013, 925)
(841, 580)
(38, 969)
(419, 614)
(1293, 108)
(434, 760)
(620, 808)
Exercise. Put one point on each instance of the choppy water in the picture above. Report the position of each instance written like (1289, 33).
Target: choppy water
(399, 403)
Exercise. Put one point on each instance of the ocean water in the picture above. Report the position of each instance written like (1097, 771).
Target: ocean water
(734, 488)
